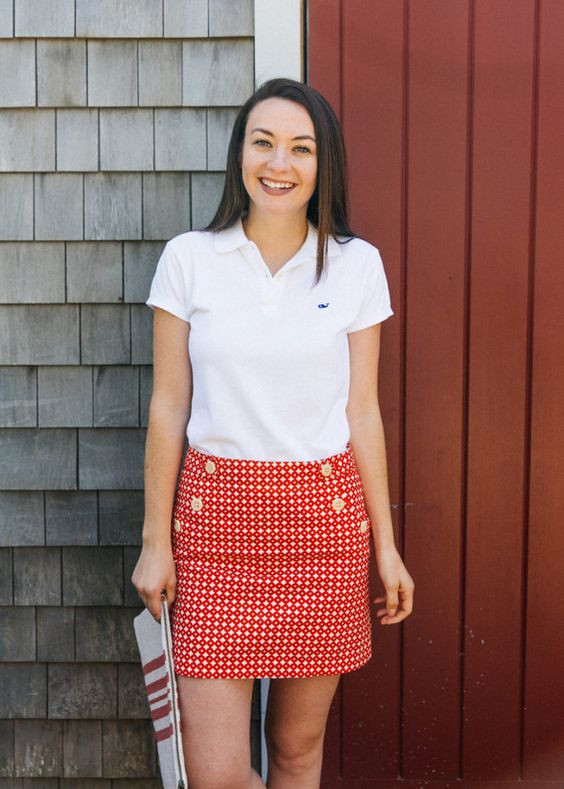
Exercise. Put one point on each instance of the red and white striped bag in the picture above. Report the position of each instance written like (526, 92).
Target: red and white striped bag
(155, 647)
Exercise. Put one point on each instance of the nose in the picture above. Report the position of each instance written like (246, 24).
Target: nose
(279, 159)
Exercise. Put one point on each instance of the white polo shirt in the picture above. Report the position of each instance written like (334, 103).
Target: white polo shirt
(269, 354)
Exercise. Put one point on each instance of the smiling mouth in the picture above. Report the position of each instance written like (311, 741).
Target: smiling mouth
(272, 186)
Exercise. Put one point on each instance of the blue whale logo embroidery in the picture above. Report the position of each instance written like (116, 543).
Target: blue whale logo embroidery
(322, 306)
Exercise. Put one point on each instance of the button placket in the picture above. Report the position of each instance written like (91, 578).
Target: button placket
(328, 470)
(271, 295)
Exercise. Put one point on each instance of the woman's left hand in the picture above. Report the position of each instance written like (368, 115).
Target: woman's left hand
(399, 586)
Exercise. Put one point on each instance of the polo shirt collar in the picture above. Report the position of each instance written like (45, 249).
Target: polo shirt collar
(234, 237)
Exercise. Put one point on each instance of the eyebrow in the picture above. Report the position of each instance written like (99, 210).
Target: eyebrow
(300, 137)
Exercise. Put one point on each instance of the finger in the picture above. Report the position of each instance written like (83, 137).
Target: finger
(387, 619)
(406, 598)
(170, 594)
(154, 605)
(392, 620)
(392, 603)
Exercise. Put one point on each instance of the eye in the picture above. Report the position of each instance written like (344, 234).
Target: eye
(298, 147)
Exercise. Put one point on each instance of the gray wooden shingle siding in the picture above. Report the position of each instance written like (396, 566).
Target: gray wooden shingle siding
(114, 122)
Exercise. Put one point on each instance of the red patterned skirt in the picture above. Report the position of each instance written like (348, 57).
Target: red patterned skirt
(272, 561)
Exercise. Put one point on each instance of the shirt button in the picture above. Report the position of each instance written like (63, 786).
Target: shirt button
(326, 469)
(338, 504)
(363, 526)
(177, 525)
(210, 466)
(196, 504)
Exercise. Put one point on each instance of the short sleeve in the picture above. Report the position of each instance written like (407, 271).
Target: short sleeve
(169, 287)
(375, 302)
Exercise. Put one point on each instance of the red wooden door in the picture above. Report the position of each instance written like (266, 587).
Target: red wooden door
(453, 113)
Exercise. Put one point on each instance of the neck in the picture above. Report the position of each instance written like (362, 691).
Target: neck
(270, 230)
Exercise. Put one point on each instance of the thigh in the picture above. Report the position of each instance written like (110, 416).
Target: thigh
(297, 710)
(215, 716)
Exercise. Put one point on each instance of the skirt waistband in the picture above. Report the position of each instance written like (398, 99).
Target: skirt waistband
(328, 466)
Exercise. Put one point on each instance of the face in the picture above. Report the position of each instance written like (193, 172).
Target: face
(271, 154)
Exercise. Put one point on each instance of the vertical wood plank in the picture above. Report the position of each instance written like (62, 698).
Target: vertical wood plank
(324, 50)
(500, 238)
(372, 118)
(436, 165)
(544, 679)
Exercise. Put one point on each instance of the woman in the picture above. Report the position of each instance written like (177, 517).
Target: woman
(266, 343)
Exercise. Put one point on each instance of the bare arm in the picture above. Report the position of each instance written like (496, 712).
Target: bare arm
(369, 449)
(169, 412)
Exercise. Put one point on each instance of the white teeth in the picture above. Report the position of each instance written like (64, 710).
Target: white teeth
(274, 185)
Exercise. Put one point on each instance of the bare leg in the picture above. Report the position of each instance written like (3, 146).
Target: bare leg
(296, 717)
(215, 717)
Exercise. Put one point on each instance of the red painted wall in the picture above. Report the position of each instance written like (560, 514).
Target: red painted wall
(453, 114)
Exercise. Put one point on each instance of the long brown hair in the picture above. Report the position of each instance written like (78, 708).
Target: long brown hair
(328, 206)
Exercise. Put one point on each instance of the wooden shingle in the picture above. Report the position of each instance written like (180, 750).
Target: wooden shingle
(94, 272)
(22, 515)
(180, 139)
(61, 73)
(112, 73)
(166, 204)
(38, 459)
(77, 140)
(39, 334)
(64, 396)
(160, 73)
(32, 273)
(34, 18)
(126, 139)
(111, 458)
(27, 140)
(82, 690)
(217, 72)
(185, 18)
(58, 206)
(18, 396)
(119, 18)
(37, 576)
(45, 758)
(82, 748)
(17, 66)
(16, 207)
(55, 633)
(112, 206)
(71, 517)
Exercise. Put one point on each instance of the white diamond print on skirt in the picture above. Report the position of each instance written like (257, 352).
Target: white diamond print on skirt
(272, 578)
